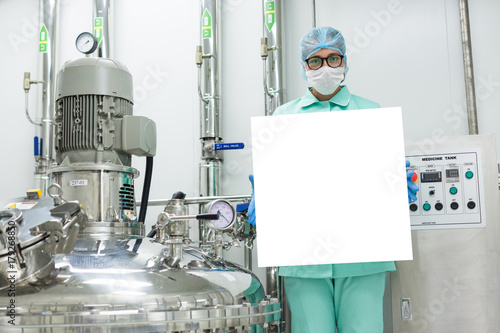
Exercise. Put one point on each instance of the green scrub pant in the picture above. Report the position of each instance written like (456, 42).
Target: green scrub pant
(351, 304)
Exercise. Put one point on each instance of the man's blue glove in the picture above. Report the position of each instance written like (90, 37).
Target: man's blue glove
(412, 187)
(251, 207)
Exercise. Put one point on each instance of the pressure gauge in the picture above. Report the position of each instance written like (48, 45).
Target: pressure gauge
(86, 43)
(226, 214)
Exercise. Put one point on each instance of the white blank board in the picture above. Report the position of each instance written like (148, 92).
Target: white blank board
(330, 187)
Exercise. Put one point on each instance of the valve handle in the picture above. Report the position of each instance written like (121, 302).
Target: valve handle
(207, 216)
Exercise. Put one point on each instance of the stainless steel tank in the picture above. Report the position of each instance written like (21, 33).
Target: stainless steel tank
(116, 290)
(68, 265)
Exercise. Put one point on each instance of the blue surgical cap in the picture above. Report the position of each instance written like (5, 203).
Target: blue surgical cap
(320, 38)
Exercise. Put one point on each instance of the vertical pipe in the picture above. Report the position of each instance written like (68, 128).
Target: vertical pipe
(101, 9)
(273, 31)
(274, 96)
(470, 91)
(48, 16)
(248, 259)
(314, 13)
(210, 113)
(210, 41)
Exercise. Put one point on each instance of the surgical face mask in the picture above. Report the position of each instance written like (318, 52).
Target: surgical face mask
(325, 80)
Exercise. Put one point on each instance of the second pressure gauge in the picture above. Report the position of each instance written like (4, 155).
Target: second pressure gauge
(226, 214)
(86, 43)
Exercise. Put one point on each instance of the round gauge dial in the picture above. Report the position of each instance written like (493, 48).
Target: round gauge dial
(226, 214)
(86, 43)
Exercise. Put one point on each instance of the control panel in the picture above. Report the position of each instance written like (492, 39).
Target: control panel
(450, 192)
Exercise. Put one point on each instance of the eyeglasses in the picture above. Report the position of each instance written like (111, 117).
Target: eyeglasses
(333, 60)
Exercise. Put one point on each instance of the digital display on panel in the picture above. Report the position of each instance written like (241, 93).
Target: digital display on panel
(452, 173)
(430, 177)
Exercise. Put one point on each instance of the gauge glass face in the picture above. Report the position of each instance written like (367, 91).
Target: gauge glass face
(86, 43)
(226, 211)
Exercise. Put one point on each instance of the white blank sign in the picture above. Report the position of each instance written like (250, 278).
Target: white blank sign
(330, 187)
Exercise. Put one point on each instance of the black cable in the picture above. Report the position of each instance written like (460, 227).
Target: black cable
(145, 197)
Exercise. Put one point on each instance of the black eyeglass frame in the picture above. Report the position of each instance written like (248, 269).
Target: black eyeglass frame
(322, 61)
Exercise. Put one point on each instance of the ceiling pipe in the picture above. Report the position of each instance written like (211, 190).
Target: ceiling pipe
(470, 90)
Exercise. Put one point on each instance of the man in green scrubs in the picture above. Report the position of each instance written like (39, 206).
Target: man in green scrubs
(347, 297)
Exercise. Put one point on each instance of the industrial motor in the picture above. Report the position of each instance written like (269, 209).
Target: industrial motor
(96, 134)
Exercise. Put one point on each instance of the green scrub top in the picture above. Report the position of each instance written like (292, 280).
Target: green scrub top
(343, 100)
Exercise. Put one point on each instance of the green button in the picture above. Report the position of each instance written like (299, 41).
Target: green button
(469, 174)
(427, 206)
(453, 190)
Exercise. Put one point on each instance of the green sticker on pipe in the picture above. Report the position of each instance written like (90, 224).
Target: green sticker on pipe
(43, 39)
(269, 17)
(206, 24)
(98, 29)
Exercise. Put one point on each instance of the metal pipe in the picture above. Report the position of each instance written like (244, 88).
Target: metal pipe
(470, 90)
(101, 10)
(274, 95)
(209, 64)
(248, 259)
(200, 200)
(314, 13)
(274, 89)
(210, 42)
(49, 18)
(286, 324)
(27, 112)
(272, 279)
(269, 92)
(200, 94)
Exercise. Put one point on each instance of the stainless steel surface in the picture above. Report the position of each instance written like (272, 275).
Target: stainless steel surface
(103, 285)
(211, 121)
(210, 175)
(273, 63)
(314, 13)
(121, 291)
(209, 65)
(274, 92)
(201, 200)
(104, 195)
(272, 282)
(48, 16)
(248, 258)
(101, 8)
(453, 280)
(173, 232)
(29, 238)
(470, 89)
